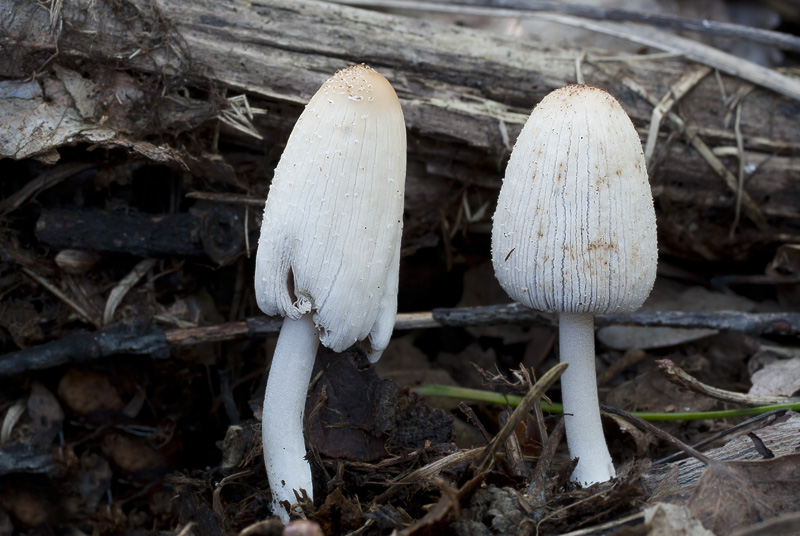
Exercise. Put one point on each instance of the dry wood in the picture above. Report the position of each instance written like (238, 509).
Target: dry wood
(465, 95)
(780, 437)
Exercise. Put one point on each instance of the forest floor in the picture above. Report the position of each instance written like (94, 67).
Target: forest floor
(134, 358)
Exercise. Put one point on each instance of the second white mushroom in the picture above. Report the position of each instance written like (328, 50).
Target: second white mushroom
(575, 233)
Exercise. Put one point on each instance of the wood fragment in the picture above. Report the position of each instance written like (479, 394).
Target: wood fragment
(211, 230)
(768, 419)
(514, 456)
(781, 437)
(680, 377)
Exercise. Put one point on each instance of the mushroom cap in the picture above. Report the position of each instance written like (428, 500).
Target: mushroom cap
(575, 229)
(330, 237)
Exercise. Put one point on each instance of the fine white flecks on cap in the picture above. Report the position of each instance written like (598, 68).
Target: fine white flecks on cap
(575, 227)
(330, 238)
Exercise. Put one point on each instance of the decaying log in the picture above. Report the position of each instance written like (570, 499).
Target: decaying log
(209, 230)
(465, 95)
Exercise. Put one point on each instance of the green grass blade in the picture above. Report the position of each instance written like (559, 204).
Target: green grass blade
(479, 395)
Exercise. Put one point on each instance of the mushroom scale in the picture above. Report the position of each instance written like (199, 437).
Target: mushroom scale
(575, 227)
(330, 237)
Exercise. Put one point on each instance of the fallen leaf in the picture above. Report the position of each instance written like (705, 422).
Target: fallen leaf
(664, 519)
(85, 391)
(736, 494)
(350, 411)
(46, 416)
(133, 455)
(781, 377)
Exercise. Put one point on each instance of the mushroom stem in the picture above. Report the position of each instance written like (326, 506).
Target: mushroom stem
(581, 406)
(284, 406)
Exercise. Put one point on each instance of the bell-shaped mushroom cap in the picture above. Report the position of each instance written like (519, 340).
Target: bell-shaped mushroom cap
(575, 228)
(330, 238)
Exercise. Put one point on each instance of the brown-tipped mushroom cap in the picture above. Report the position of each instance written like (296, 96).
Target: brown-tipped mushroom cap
(575, 229)
(330, 239)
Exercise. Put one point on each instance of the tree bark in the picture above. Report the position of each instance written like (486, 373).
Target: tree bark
(465, 94)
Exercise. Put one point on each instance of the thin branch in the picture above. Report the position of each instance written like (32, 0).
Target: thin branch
(681, 378)
(152, 340)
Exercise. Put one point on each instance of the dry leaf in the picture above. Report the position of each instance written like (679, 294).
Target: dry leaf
(731, 495)
(664, 519)
(781, 377)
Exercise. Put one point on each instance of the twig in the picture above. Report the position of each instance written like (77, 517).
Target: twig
(661, 434)
(82, 346)
(665, 105)
(428, 472)
(474, 420)
(229, 199)
(42, 182)
(531, 398)
(680, 377)
(749, 323)
(628, 359)
(536, 487)
(751, 208)
(131, 339)
(722, 433)
(58, 293)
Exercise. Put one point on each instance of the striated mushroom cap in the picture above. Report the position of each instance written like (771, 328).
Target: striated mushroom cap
(575, 228)
(330, 238)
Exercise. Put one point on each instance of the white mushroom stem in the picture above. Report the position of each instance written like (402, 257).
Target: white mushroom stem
(284, 406)
(581, 405)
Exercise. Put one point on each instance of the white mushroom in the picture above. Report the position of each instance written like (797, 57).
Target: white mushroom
(575, 233)
(329, 252)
